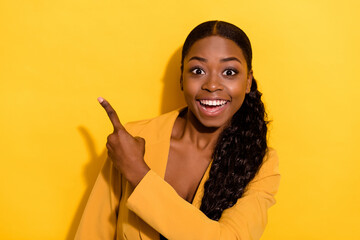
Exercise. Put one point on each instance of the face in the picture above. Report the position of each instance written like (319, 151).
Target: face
(215, 80)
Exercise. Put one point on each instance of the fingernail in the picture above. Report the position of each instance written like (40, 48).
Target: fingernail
(100, 99)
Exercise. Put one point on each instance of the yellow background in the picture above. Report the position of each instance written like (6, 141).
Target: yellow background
(57, 57)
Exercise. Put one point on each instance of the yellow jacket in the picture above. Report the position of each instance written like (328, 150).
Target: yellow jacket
(117, 211)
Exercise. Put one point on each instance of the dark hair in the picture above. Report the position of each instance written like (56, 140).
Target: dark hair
(242, 145)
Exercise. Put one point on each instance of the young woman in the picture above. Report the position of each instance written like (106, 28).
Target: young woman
(202, 172)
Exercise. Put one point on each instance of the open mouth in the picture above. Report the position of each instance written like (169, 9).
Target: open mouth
(212, 106)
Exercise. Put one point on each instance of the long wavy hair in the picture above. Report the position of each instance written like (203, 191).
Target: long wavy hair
(242, 145)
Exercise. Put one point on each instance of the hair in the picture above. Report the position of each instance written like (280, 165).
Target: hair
(242, 145)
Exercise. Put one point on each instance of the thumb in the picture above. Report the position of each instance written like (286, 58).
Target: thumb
(140, 140)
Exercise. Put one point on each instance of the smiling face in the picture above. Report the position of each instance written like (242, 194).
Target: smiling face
(215, 79)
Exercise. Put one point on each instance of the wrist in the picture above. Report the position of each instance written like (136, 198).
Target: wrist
(134, 177)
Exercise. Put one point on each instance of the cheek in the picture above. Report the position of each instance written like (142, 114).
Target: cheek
(238, 89)
(190, 88)
(238, 93)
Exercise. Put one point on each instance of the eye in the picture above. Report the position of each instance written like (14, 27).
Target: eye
(197, 71)
(230, 72)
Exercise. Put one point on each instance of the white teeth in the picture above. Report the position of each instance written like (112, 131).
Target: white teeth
(213, 102)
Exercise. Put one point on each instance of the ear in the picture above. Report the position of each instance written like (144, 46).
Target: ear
(181, 82)
(249, 81)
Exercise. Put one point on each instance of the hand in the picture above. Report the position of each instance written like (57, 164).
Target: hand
(126, 152)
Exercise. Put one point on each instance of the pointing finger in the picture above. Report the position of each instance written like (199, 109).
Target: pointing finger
(111, 113)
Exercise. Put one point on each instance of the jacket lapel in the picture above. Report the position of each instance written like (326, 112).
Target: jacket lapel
(156, 156)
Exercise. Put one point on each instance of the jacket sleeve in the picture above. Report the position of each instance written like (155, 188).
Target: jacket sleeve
(100, 215)
(158, 204)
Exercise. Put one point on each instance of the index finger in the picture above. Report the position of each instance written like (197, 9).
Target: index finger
(111, 113)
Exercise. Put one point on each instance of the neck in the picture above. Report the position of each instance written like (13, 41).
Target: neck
(199, 135)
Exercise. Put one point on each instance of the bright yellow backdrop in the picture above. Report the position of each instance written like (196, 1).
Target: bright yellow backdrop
(57, 57)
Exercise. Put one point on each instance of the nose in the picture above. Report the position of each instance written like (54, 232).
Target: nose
(212, 84)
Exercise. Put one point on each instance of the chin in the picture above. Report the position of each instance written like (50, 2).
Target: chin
(213, 124)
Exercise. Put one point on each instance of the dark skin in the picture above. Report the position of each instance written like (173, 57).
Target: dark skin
(189, 155)
(214, 70)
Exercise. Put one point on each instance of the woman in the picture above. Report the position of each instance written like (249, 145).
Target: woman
(205, 171)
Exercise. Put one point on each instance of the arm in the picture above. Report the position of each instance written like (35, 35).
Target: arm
(99, 218)
(157, 203)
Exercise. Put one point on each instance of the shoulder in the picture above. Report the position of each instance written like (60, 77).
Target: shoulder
(270, 161)
(267, 178)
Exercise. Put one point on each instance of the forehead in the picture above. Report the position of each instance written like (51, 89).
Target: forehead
(215, 46)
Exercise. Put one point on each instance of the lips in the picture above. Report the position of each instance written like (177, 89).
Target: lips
(212, 107)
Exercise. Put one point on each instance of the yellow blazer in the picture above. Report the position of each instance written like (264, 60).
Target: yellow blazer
(117, 211)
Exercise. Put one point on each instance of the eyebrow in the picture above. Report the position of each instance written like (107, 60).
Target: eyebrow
(222, 60)
(230, 59)
(198, 58)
